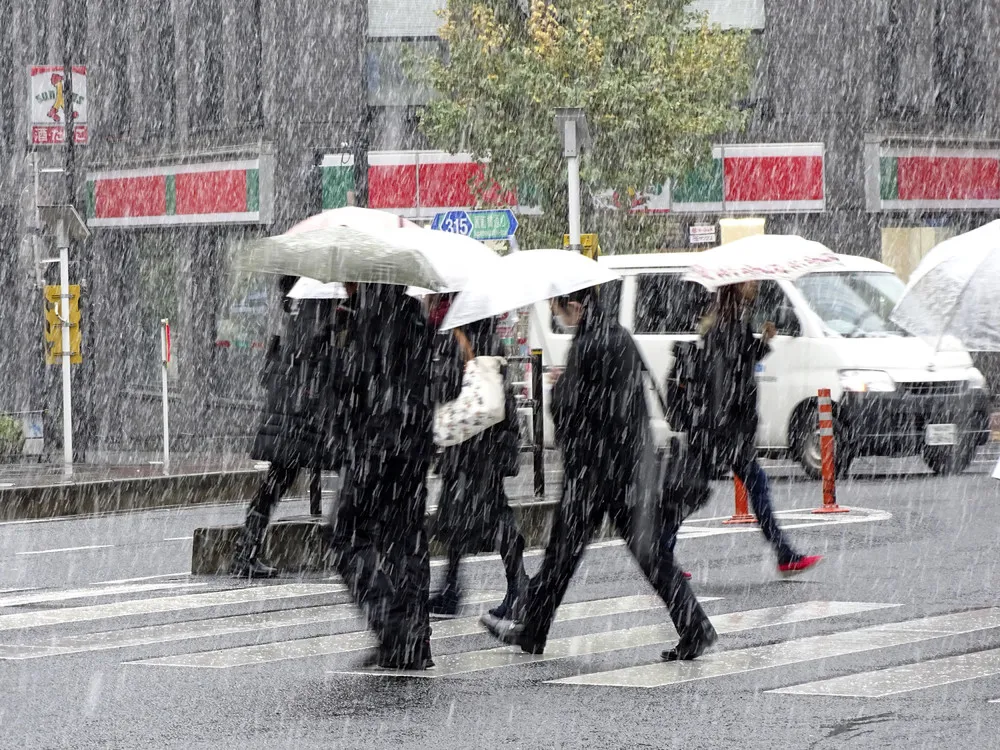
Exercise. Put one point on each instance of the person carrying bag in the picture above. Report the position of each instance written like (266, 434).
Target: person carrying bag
(479, 406)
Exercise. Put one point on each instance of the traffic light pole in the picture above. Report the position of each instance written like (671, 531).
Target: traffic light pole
(62, 240)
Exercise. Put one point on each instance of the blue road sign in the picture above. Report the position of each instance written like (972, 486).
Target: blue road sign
(457, 222)
(496, 224)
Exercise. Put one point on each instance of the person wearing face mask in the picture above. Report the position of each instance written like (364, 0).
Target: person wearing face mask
(473, 513)
(609, 468)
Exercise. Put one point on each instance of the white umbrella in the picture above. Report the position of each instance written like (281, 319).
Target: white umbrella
(522, 279)
(306, 288)
(954, 291)
(354, 217)
(409, 256)
(760, 257)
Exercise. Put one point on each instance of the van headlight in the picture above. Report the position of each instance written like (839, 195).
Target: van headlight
(976, 380)
(865, 381)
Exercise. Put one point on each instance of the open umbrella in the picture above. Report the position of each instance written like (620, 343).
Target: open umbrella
(761, 257)
(306, 288)
(409, 256)
(954, 291)
(354, 217)
(522, 279)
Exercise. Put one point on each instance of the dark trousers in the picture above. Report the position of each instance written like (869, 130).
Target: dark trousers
(276, 483)
(582, 507)
(510, 545)
(380, 550)
(754, 478)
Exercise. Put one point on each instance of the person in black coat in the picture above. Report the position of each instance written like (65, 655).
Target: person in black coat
(377, 536)
(609, 467)
(473, 513)
(295, 428)
(733, 352)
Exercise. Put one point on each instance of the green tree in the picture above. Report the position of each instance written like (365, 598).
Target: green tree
(658, 84)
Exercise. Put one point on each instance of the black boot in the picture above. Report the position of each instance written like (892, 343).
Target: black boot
(245, 562)
(693, 643)
(444, 603)
(508, 608)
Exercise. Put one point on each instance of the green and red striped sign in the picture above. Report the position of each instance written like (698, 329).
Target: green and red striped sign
(935, 178)
(748, 178)
(208, 193)
(755, 178)
(415, 184)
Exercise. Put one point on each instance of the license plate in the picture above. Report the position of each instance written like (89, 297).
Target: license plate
(940, 434)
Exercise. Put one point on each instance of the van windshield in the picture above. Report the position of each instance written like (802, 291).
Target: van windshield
(854, 304)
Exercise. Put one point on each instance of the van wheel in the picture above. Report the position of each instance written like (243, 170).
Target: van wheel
(949, 460)
(805, 442)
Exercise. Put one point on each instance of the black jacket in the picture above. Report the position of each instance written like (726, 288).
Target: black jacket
(295, 425)
(384, 380)
(472, 472)
(598, 404)
(734, 352)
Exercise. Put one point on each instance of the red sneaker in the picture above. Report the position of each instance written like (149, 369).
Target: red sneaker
(798, 565)
(687, 575)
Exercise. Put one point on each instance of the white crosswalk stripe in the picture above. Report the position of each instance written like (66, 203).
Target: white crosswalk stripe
(650, 635)
(255, 594)
(89, 592)
(359, 641)
(795, 651)
(281, 622)
(905, 678)
(190, 629)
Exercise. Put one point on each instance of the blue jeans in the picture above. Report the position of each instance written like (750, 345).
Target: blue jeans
(759, 488)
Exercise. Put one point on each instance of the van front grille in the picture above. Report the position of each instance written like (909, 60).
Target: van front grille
(934, 388)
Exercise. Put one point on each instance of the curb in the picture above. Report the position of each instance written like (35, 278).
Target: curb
(102, 496)
(296, 545)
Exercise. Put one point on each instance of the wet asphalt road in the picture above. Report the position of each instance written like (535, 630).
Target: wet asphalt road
(88, 659)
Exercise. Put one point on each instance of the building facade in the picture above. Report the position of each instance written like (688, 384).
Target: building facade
(871, 130)
(207, 124)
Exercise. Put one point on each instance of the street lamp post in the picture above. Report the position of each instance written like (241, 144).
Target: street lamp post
(67, 224)
(571, 123)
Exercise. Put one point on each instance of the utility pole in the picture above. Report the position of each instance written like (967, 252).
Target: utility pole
(362, 145)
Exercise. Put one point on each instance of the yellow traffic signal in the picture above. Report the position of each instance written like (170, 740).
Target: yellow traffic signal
(589, 245)
(53, 325)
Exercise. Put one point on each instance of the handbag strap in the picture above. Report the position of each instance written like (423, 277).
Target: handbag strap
(463, 343)
(652, 379)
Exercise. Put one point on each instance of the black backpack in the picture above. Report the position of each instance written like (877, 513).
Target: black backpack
(686, 464)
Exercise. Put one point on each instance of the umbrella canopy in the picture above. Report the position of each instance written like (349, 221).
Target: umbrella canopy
(410, 256)
(761, 257)
(354, 217)
(522, 279)
(954, 291)
(311, 289)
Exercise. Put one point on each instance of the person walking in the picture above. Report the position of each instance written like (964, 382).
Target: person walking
(295, 430)
(609, 467)
(376, 532)
(732, 352)
(473, 513)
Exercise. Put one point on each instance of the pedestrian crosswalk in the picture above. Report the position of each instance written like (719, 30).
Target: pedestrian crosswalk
(603, 643)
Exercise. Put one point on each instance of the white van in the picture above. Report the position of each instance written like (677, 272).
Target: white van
(894, 396)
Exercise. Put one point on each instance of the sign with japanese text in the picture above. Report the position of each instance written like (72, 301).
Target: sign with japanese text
(48, 106)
